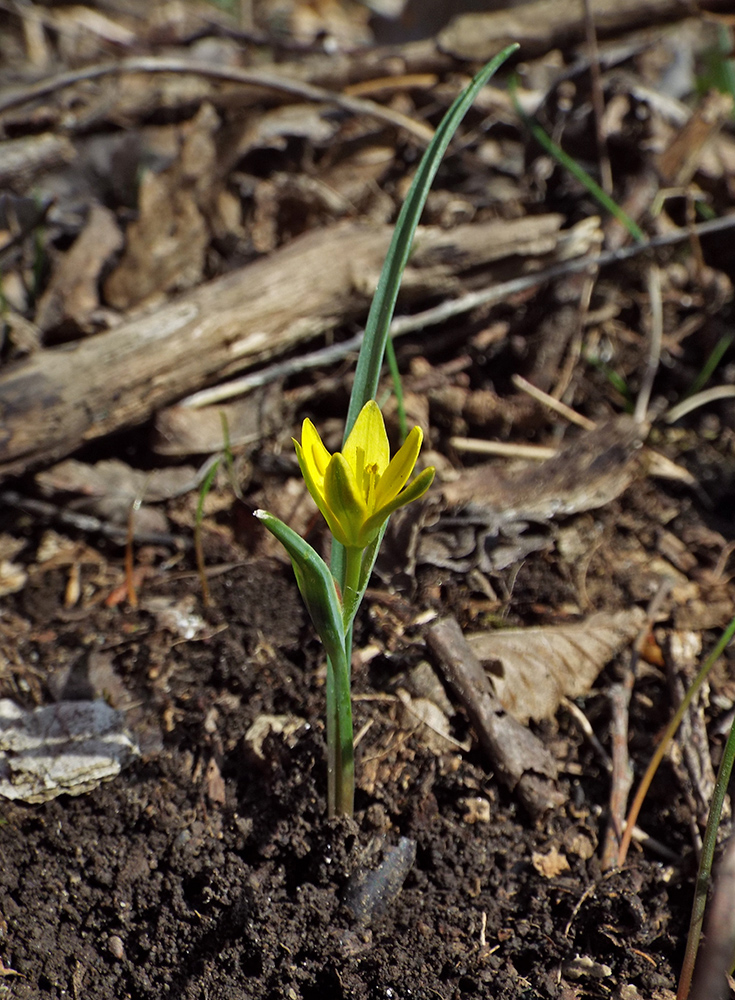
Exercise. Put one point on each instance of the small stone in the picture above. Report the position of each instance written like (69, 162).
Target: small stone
(116, 947)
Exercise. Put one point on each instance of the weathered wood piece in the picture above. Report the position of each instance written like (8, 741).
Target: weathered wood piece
(521, 761)
(58, 398)
(545, 24)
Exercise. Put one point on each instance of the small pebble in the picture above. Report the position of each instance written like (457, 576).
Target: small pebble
(116, 947)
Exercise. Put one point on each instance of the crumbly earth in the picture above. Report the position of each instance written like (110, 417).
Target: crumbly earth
(208, 869)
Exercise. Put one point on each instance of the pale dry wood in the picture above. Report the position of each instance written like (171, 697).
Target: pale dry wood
(58, 398)
(32, 154)
(547, 24)
(259, 78)
(520, 760)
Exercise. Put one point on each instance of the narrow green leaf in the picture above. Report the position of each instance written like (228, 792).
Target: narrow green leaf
(316, 584)
(381, 311)
(372, 350)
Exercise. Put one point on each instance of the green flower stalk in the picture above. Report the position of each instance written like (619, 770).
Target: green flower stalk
(356, 489)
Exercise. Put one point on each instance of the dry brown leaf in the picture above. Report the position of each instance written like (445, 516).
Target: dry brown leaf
(434, 726)
(215, 784)
(477, 810)
(582, 966)
(532, 669)
(12, 577)
(186, 430)
(550, 865)
(285, 726)
(492, 518)
(166, 245)
(113, 477)
(72, 295)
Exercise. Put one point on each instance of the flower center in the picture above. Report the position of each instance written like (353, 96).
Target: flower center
(370, 482)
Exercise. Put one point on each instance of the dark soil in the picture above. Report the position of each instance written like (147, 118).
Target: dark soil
(156, 885)
(207, 869)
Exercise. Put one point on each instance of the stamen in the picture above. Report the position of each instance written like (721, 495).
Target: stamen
(371, 481)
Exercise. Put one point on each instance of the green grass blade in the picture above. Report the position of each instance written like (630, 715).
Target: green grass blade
(578, 172)
(372, 351)
(204, 489)
(390, 355)
(709, 843)
(381, 312)
(710, 364)
(667, 737)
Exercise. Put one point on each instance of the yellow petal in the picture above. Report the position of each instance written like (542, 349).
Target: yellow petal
(401, 466)
(345, 500)
(412, 492)
(314, 449)
(314, 486)
(367, 443)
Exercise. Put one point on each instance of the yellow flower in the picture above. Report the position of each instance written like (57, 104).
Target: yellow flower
(358, 488)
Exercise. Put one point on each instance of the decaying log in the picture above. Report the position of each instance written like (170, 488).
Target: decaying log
(521, 761)
(58, 398)
(545, 24)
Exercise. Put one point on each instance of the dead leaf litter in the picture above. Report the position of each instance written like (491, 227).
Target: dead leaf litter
(195, 209)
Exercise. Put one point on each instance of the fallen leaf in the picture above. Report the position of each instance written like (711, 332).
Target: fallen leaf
(532, 669)
(583, 965)
(550, 865)
(111, 477)
(432, 722)
(177, 617)
(110, 490)
(187, 430)
(12, 577)
(580, 844)
(167, 243)
(264, 725)
(72, 294)
(477, 810)
(215, 784)
(492, 518)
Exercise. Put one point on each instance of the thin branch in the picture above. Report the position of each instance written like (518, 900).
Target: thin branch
(654, 350)
(446, 311)
(230, 74)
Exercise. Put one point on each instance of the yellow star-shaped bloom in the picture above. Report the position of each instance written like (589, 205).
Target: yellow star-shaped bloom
(358, 488)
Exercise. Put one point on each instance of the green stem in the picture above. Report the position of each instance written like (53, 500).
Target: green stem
(332, 722)
(342, 747)
(667, 738)
(346, 565)
(705, 866)
(351, 592)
